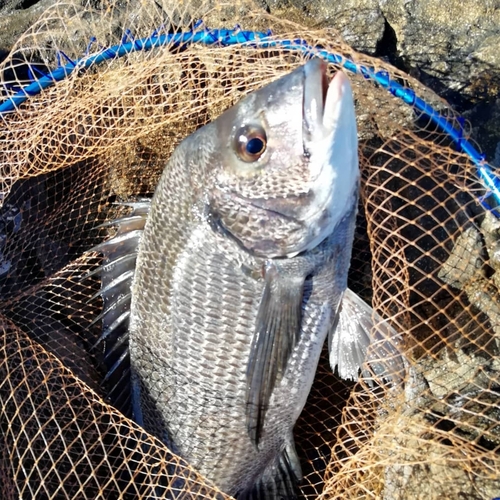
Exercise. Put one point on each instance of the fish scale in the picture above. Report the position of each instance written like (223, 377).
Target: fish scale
(239, 275)
(222, 416)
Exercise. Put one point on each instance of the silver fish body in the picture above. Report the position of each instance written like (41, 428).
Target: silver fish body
(239, 278)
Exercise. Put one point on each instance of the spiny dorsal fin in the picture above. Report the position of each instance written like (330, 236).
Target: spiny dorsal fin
(277, 332)
(117, 273)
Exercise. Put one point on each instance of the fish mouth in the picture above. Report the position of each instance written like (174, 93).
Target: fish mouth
(328, 167)
(321, 100)
(329, 136)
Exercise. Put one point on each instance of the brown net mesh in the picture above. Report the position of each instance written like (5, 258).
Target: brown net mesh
(425, 255)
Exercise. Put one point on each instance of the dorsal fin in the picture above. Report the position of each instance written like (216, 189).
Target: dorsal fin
(117, 272)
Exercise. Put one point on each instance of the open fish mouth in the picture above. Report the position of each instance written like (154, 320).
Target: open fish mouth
(328, 134)
(322, 101)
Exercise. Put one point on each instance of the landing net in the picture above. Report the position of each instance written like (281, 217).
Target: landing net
(90, 115)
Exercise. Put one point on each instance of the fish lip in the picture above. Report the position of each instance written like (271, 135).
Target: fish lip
(316, 209)
(313, 98)
(320, 99)
(330, 163)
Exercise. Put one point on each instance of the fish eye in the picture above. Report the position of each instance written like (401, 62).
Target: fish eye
(250, 143)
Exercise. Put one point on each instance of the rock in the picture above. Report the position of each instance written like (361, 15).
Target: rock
(360, 22)
(474, 267)
(16, 16)
(452, 41)
(451, 46)
(484, 119)
(451, 414)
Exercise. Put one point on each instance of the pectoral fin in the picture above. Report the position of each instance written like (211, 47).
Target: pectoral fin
(351, 336)
(277, 332)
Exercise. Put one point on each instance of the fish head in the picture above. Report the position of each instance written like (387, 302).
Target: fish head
(287, 170)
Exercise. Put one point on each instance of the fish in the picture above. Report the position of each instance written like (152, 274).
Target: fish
(226, 285)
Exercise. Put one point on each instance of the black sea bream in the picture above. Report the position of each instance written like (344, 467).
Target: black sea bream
(240, 274)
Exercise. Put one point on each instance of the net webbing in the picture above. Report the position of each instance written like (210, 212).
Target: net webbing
(425, 256)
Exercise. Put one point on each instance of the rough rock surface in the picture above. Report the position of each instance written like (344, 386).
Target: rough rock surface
(16, 16)
(360, 22)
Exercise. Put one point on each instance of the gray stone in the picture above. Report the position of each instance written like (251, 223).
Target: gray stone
(452, 41)
(15, 20)
(360, 22)
(452, 46)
